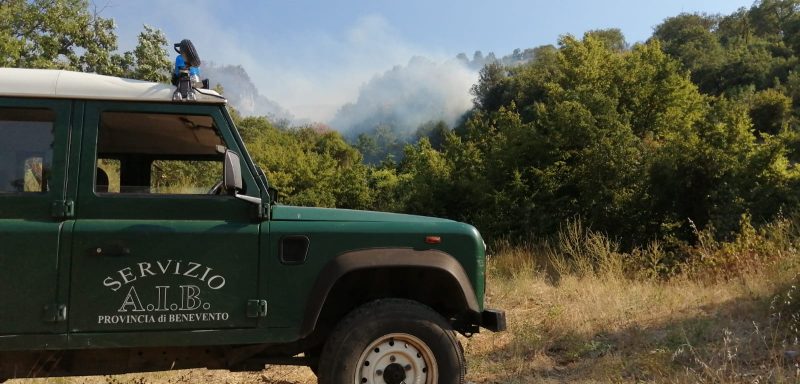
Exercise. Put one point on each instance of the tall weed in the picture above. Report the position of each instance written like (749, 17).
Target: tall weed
(752, 249)
(582, 252)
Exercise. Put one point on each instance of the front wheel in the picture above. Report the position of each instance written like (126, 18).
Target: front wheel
(392, 341)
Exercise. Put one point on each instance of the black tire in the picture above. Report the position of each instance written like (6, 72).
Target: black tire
(353, 346)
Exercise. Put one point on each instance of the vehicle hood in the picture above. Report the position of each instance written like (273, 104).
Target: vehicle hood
(292, 213)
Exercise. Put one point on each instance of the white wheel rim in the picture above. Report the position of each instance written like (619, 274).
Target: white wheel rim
(397, 358)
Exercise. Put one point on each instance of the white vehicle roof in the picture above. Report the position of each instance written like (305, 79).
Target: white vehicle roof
(51, 83)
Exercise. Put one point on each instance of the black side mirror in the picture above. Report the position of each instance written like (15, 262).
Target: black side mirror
(232, 173)
(232, 177)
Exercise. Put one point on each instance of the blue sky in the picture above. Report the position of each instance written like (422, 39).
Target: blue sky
(313, 56)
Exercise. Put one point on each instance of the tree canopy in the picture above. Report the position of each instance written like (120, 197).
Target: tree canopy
(69, 34)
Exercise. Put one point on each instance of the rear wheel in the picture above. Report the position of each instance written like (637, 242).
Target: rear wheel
(392, 341)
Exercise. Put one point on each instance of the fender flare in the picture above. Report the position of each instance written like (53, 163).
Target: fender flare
(380, 258)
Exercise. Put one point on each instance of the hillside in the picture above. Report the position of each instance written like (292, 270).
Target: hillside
(242, 93)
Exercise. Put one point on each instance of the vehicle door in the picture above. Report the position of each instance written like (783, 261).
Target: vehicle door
(34, 210)
(156, 245)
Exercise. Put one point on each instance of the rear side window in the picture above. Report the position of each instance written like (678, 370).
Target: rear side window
(26, 149)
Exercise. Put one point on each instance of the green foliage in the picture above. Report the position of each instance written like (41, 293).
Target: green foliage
(427, 179)
(53, 34)
(576, 250)
(613, 38)
(65, 34)
(150, 54)
(690, 38)
(486, 90)
(435, 131)
(619, 137)
(755, 47)
(310, 165)
(382, 143)
(771, 111)
(185, 177)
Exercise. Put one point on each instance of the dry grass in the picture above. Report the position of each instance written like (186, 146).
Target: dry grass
(611, 329)
(578, 312)
(582, 311)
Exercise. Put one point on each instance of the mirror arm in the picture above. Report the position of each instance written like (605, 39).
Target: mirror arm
(249, 199)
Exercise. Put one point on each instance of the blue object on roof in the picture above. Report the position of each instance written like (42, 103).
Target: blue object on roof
(180, 63)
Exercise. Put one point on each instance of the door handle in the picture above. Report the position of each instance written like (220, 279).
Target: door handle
(110, 251)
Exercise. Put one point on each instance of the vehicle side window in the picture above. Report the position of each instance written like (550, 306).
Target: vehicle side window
(26, 149)
(149, 153)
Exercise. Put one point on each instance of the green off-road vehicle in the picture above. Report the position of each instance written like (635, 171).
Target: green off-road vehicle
(136, 234)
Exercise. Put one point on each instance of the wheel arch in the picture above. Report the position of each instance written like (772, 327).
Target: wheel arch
(389, 272)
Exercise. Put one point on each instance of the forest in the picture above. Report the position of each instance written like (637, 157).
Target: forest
(640, 200)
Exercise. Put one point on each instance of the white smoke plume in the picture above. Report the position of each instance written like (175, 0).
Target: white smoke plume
(312, 73)
(406, 97)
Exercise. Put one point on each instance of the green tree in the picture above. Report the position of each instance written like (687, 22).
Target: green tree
(368, 146)
(427, 176)
(435, 131)
(488, 90)
(151, 57)
(735, 29)
(613, 38)
(308, 165)
(690, 38)
(769, 18)
(770, 111)
(66, 34)
(55, 34)
(621, 138)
